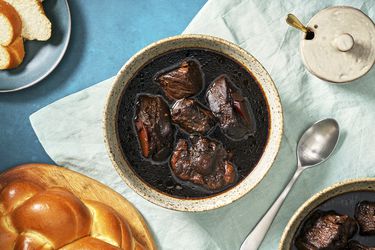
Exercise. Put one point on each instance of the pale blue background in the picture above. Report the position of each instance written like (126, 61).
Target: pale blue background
(104, 35)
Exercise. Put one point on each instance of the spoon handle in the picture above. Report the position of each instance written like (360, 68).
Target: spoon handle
(255, 238)
(293, 21)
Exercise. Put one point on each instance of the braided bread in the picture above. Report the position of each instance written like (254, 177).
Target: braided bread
(34, 217)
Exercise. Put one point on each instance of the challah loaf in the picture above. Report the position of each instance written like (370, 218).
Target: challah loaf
(10, 24)
(33, 217)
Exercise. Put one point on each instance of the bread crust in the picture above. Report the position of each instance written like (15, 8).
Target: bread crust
(109, 224)
(54, 209)
(90, 243)
(15, 52)
(27, 24)
(13, 17)
(14, 195)
(46, 217)
(7, 236)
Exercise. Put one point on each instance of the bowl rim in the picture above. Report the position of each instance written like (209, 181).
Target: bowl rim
(205, 203)
(342, 187)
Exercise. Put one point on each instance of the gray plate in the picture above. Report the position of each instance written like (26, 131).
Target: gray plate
(41, 57)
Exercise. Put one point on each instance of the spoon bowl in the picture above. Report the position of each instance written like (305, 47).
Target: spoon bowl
(317, 143)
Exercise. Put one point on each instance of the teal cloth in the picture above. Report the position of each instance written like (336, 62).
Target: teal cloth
(71, 129)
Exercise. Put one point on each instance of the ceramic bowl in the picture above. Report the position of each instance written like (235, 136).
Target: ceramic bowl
(354, 185)
(230, 50)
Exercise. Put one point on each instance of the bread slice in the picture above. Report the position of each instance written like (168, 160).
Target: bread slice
(35, 24)
(10, 24)
(12, 55)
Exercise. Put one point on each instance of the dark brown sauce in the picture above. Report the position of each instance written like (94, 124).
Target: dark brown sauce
(246, 153)
(344, 204)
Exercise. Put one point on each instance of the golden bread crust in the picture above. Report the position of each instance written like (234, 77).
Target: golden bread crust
(15, 20)
(61, 217)
(34, 217)
(90, 243)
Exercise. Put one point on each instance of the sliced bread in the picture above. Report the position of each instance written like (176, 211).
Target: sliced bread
(12, 55)
(10, 24)
(35, 24)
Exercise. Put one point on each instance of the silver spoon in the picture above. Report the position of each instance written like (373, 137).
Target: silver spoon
(314, 147)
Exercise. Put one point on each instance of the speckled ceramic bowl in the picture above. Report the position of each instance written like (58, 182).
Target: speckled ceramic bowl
(156, 49)
(354, 185)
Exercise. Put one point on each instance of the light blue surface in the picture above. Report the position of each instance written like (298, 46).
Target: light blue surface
(104, 36)
(41, 57)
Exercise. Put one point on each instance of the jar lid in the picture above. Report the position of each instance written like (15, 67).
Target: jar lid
(342, 48)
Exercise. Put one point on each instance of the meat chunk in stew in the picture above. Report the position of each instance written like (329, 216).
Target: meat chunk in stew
(154, 129)
(192, 116)
(326, 230)
(365, 215)
(184, 81)
(231, 108)
(204, 162)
